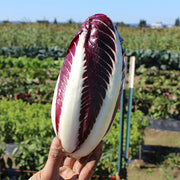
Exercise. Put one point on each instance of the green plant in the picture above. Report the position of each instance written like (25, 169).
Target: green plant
(32, 154)
(160, 98)
(21, 121)
(161, 108)
(172, 160)
(29, 126)
(166, 174)
(29, 63)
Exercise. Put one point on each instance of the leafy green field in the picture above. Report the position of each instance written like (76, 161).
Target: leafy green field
(43, 35)
(156, 92)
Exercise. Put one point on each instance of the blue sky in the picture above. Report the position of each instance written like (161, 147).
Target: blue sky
(127, 11)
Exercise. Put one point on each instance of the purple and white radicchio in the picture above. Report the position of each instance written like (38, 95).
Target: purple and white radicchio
(88, 88)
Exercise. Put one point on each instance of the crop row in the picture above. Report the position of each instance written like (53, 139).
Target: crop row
(29, 63)
(32, 52)
(29, 79)
(160, 59)
(25, 35)
(156, 91)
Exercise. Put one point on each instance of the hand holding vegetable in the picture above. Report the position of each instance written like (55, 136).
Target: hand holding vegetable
(60, 167)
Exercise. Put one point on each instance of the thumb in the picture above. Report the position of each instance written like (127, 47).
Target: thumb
(51, 169)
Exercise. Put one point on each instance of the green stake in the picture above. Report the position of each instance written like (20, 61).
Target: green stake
(131, 84)
(121, 121)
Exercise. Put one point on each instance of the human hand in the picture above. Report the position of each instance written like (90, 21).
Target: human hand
(60, 167)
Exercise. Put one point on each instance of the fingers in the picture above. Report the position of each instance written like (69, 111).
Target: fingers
(78, 165)
(91, 165)
(86, 166)
(55, 158)
(36, 176)
(88, 171)
(69, 162)
(82, 169)
(67, 173)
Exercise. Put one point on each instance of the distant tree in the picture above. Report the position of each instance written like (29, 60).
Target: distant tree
(23, 22)
(42, 21)
(177, 22)
(6, 22)
(121, 24)
(142, 23)
(70, 21)
(55, 21)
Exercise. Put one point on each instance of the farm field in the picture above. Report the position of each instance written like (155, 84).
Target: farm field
(47, 35)
(31, 56)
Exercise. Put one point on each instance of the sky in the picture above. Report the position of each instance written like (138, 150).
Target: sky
(127, 11)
